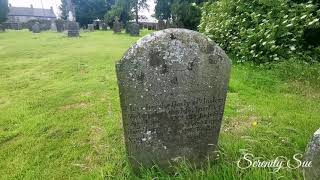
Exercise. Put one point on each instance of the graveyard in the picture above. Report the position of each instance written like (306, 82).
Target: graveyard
(60, 112)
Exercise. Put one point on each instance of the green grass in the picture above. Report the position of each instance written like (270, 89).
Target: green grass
(60, 115)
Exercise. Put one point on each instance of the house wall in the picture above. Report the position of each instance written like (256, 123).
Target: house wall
(24, 19)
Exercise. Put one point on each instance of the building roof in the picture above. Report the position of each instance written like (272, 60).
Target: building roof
(34, 12)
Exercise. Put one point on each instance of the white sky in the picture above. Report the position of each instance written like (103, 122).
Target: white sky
(55, 4)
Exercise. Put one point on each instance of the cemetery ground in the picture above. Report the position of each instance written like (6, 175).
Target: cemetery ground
(60, 113)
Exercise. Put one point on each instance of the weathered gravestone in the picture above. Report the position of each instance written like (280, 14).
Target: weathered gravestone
(313, 154)
(172, 86)
(161, 25)
(134, 29)
(2, 28)
(60, 25)
(73, 29)
(36, 28)
(116, 26)
(104, 26)
(91, 27)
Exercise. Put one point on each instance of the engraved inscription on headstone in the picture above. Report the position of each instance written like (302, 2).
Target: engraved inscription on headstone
(313, 154)
(172, 86)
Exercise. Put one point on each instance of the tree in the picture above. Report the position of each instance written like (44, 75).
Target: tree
(64, 9)
(163, 9)
(137, 5)
(4, 9)
(120, 9)
(88, 10)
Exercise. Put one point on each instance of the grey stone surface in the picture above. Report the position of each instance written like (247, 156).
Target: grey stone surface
(91, 27)
(172, 86)
(104, 26)
(60, 25)
(116, 26)
(313, 154)
(134, 29)
(73, 29)
(161, 25)
(2, 28)
(36, 28)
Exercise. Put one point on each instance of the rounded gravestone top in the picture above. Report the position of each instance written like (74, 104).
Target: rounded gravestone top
(173, 85)
(313, 154)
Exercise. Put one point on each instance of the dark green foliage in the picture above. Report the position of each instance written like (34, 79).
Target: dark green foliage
(312, 36)
(188, 14)
(184, 13)
(3, 10)
(262, 31)
(121, 9)
(163, 9)
(64, 9)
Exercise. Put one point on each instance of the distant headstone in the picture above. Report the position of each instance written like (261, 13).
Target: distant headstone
(60, 25)
(91, 27)
(36, 28)
(128, 27)
(53, 26)
(173, 87)
(134, 29)
(104, 26)
(313, 154)
(161, 25)
(116, 26)
(2, 28)
(73, 29)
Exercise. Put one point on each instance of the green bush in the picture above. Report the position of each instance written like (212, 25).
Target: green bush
(260, 30)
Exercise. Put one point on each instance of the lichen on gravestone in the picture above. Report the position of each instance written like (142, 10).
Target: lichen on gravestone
(172, 85)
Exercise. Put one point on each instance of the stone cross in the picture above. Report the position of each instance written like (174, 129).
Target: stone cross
(172, 85)
(313, 154)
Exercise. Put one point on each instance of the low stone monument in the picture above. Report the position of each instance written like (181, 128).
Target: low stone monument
(313, 154)
(73, 29)
(36, 28)
(91, 27)
(161, 25)
(134, 29)
(116, 26)
(2, 28)
(172, 87)
(60, 25)
(104, 26)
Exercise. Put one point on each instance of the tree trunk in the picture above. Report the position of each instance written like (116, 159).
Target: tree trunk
(137, 13)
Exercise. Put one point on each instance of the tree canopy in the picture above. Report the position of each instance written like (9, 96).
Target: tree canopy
(3, 10)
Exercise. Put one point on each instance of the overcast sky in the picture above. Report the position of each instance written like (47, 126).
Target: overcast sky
(55, 4)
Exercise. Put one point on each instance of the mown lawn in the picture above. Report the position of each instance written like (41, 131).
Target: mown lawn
(60, 115)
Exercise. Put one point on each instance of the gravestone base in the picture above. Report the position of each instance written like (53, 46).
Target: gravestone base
(73, 29)
(172, 85)
(313, 154)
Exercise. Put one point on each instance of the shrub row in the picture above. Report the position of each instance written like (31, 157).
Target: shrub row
(262, 30)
